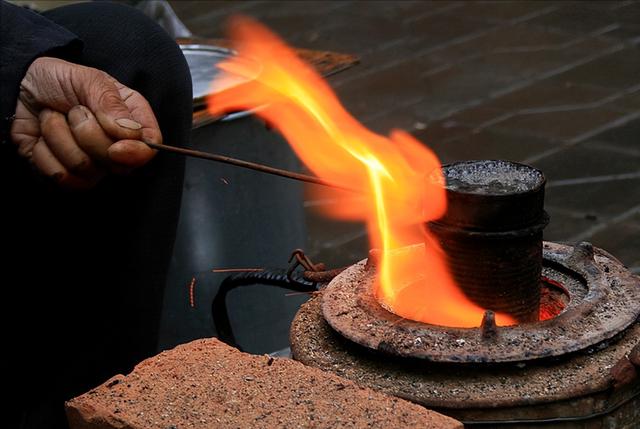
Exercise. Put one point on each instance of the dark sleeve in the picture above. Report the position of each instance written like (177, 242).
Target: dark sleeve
(25, 36)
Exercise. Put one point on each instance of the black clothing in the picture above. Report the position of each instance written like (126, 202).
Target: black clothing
(85, 272)
(25, 36)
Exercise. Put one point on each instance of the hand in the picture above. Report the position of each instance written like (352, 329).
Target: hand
(75, 123)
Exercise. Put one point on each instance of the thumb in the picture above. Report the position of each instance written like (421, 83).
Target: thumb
(97, 90)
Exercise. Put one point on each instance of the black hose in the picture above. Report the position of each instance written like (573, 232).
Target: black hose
(277, 278)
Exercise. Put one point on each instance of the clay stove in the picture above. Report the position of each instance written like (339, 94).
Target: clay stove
(572, 360)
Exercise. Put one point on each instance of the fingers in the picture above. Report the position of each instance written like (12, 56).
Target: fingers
(131, 153)
(45, 161)
(89, 134)
(48, 165)
(99, 93)
(120, 157)
(63, 146)
(59, 85)
(113, 113)
(25, 130)
(142, 113)
(57, 154)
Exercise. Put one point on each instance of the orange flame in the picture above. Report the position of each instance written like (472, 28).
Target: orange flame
(401, 178)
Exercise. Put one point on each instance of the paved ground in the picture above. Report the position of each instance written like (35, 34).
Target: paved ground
(552, 84)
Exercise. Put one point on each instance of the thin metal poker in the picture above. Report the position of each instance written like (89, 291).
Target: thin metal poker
(250, 165)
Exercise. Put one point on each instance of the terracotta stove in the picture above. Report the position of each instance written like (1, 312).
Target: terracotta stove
(572, 360)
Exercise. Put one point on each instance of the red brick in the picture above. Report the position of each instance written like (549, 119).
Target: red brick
(208, 384)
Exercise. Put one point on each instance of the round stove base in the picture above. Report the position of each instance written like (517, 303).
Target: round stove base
(604, 299)
(571, 390)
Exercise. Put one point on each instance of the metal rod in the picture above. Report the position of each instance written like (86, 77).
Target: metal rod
(250, 165)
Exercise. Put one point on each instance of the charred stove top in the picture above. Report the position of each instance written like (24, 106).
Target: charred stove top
(597, 310)
(574, 367)
(572, 359)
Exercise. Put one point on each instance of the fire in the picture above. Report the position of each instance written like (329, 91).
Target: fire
(400, 179)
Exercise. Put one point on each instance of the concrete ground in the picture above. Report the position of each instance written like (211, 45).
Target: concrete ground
(549, 83)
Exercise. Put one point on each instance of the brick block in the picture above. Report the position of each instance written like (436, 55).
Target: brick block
(207, 384)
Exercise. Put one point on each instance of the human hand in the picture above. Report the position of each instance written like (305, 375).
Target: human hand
(75, 123)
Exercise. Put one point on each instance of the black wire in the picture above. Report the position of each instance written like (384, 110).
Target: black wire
(277, 278)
